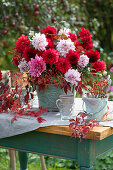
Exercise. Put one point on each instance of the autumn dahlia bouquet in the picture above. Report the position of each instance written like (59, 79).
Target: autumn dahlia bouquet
(58, 56)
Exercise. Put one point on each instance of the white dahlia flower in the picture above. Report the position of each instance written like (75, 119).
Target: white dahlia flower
(64, 46)
(64, 31)
(83, 61)
(39, 42)
(23, 66)
(72, 76)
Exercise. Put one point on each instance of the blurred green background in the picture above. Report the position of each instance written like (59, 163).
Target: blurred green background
(18, 17)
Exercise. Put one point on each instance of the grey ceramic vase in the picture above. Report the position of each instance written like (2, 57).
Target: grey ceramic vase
(47, 98)
(96, 107)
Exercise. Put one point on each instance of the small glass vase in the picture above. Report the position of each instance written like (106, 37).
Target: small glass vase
(65, 104)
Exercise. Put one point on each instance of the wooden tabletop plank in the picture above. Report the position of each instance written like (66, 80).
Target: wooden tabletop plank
(97, 133)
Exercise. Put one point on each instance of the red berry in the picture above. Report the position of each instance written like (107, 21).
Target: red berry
(4, 43)
(35, 13)
(5, 31)
(36, 7)
(84, 2)
(53, 19)
(37, 28)
(6, 18)
(19, 28)
(12, 24)
(16, 14)
(22, 22)
(27, 8)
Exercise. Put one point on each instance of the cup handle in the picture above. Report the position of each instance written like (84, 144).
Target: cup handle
(58, 103)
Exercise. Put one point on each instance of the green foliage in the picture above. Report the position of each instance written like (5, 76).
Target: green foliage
(104, 162)
(19, 17)
(99, 16)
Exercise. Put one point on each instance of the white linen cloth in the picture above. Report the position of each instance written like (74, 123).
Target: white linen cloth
(26, 123)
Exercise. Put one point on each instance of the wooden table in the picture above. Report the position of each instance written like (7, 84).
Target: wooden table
(56, 141)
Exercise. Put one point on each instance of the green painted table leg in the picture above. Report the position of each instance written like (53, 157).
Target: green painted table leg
(23, 157)
(85, 168)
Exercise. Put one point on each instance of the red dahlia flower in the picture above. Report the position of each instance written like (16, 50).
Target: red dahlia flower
(50, 32)
(84, 33)
(50, 56)
(29, 53)
(22, 43)
(50, 44)
(87, 43)
(0, 75)
(93, 55)
(72, 36)
(86, 40)
(99, 66)
(73, 56)
(63, 65)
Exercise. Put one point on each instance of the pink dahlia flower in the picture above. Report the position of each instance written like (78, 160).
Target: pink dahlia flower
(83, 61)
(111, 69)
(37, 66)
(72, 76)
(111, 89)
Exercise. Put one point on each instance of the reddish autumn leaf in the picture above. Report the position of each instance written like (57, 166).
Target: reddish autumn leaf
(40, 119)
(71, 126)
(31, 95)
(82, 125)
(16, 106)
(26, 98)
(13, 119)
(65, 89)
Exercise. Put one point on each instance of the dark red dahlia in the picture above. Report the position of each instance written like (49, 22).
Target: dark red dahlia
(63, 65)
(73, 56)
(93, 55)
(84, 33)
(79, 47)
(22, 43)
(87, 43)
(29, 53)
(99, 66)
(50, 56)
(72, 36)
(86, 40)
(50, 32)
(50, 44)
(78, 43)
(0, 75)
